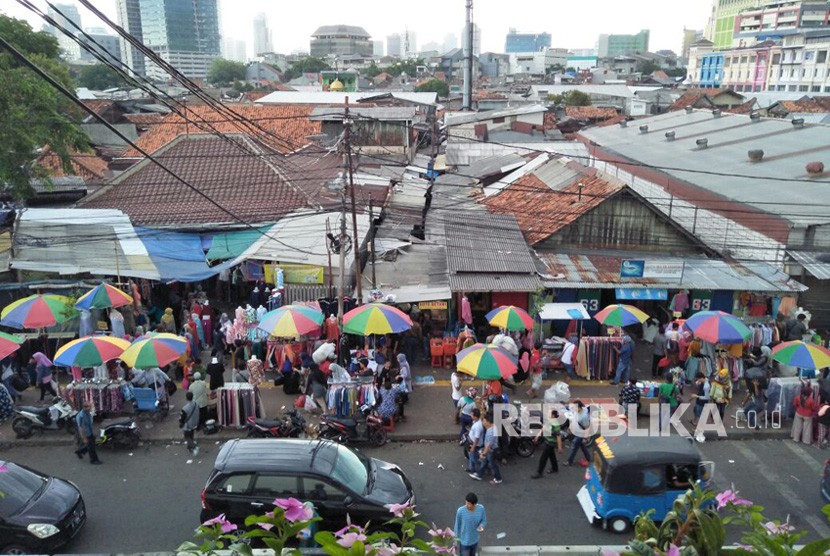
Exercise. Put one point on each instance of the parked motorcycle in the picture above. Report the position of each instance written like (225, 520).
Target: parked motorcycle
(122, 434)
(368, 427)
(292, 425)
(59, 416)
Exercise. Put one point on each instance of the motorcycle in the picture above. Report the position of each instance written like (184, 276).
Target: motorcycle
(122, 434)
(292, 425)
(367, 428)
(59, 416)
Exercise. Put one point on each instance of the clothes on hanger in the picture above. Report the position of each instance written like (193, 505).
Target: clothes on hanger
(596, 359)
(106, 397)
(236, 401)
(466, 311)
(332, 330)
(344, 399)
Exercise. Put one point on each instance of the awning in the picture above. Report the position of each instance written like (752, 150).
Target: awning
(229, 245)
(642, 293)
(179, 257)
(563, 311)
(414, 294)
(817, 264)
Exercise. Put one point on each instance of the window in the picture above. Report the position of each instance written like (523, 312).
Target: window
(803, 88)
(18, 486)
(809, 55)
(743, 59)
(236, 484)
(776, 58)
(317, 490)
(815, 89)
(350, 470)
(822, 57)
(276, 485)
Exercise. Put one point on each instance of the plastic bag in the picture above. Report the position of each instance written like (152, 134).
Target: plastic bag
(558, 393)
(322, 353)
(299, 403)
(309, 404)
(506, 343)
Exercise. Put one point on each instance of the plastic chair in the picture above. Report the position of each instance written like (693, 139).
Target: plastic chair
(155, 404)
(450, 345)
(436, 352)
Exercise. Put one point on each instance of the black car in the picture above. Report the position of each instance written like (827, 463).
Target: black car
(38, 513)
(249, 474)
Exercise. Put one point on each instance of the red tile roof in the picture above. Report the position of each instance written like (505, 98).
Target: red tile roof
(693, 96)
(144, 119)
(88, 166)
(98, 106)
(814, 105)
(745, 108)
(612, 121)
(248, 186)
(541, 211)
(285, 126)
(590, 112)
(254, 96)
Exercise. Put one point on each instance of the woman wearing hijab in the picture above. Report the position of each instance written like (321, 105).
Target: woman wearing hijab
(168, 321)
(216, 372)
(196, 325)
(192, 341)
(405, 371)
(43, 372)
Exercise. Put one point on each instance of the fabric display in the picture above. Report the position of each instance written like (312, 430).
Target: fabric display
(697, 364)
(764, 335)
(782, 392)
(279, 350)
(6, 404)
(236, 402)
(328, 305)
(106, 397)
(596, 358)
(344, 399)
(679, 303)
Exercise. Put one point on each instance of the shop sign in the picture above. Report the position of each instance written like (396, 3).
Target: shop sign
(640, 268)
(302, 274)
(590, 300)
(433, 305)
(642, 293)
(701, 300)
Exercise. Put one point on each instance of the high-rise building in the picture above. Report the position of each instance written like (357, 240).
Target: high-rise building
(450, 42)
(184, 33)
(615, 45)
(721, 28)
(410, 43)
(105, 45)
(690, 37)
(333, 40)
(234, 49)
(526, 42)
(129, 18)
(377, 48)
(476, 39)
(65, 15)
(262, 35)
(394, 45)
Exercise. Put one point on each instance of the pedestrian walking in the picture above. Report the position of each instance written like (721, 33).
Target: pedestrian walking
(43, 375)
(86, 436)
(625, 351)
(567, 359)
(721, 391)
(552, 442)
(189, 422)
(475, 438)
(455, 383)
(489, 456)
(579, 426)
(658, 352)
(466, 405)
(668, 397)
(701, 397)
(470, 521)
(200, 395)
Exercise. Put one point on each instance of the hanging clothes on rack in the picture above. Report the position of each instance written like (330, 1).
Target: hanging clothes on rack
(344, 399)
(596, 358)
(236, 402)
(107, 398)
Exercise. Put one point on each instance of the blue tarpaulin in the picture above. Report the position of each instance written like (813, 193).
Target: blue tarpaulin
(642, 293)
(179, 257)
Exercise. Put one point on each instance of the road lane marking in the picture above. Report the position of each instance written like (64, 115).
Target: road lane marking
(802, 454)
(789, 494)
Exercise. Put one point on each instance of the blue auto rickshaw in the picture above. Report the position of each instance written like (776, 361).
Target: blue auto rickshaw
(630, 475)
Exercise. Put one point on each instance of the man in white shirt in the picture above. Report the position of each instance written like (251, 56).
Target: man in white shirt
(567, 360)
(476, 437)
(455, 382)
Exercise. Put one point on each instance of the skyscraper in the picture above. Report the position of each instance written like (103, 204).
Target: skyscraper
(410, 44)
(106, 45)
(262, 35)
(721, 26)
(377, 48)
(450, 42)
(70, 50)
(129, 18)
(184, 33)
(526, 42)
(394, 45)
(234, 49)
(616, 45)
(690, 36)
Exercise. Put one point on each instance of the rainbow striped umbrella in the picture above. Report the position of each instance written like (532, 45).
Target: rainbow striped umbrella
(9, 343)
(103, 296)
(90, 351)
(486, 362)
(154, 351)
(291, 321)
(621, 315)
(37, 311)
(802, 355)
(717, 327)
(510, 317)
(375, 318)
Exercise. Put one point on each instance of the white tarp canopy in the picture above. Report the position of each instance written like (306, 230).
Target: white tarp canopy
(563, 311)
(300, 238)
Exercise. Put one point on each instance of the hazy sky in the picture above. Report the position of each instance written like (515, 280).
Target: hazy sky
(573, 24)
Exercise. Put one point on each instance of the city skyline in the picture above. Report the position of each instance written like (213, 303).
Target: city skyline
(291, 28)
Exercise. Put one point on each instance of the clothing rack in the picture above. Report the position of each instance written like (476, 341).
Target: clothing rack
(596, 358)
(343, 399)
(782, 391)
(107, 398)
(236, 402)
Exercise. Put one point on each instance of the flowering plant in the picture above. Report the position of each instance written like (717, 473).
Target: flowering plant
(292, 519)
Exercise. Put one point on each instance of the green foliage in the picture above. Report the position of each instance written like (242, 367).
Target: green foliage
(223, 72)
(571, 98)
(434, 86)
(100, 77)
(33, 114)
(410, 67)
(372, 71)
(647, 67)
(242, 86)
(310, 64)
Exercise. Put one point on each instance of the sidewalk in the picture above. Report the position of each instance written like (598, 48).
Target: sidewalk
(429, 414)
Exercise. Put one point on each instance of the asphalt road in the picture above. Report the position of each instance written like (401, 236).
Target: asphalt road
(149, 500)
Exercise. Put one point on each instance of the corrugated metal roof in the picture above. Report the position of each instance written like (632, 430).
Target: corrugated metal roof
(416, 267)
(557, 175)
(813, 263)
(459, 118)
(787, 151)
(333, 97)
(463, 153)
(476, 282)
(384, 113)
(494, 244)
(491, 166)
(603, 271)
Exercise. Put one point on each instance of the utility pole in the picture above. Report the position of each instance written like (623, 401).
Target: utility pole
(342, 287)
(372, 231)
(347, 124)
(468, 59)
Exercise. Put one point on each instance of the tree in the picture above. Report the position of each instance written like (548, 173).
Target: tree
(647, 67)
(676, 72)
(571, 98)
(100, 77)
(434, 86)
(410, 67)
(309, 64)
(33, 114)
(372, 71)
(223, 72)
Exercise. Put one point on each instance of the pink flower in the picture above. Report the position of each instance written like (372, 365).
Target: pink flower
(400, 510)
(348, 539)
(388, 550)
(776, 529)
(349, 529)
(730, 497)
(673, 551)
(226, 525)
(294, 509)
(608, 552)
(441, 533)
(266, 526)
